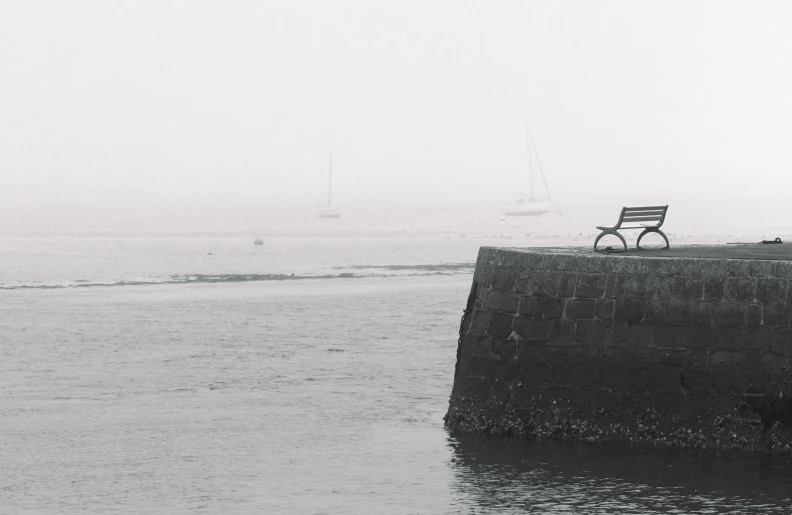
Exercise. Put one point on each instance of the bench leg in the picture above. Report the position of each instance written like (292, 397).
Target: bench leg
(647, 231)
(614, 233)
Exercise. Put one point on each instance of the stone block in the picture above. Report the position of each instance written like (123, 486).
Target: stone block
(504, 280)
(728, 338)
(533, 329)
(698, 336)
(670, 402)
(771, 291)
(702, 313)
(481, 346)
(616, 357)
(728, 380)
(671, 358)
(676, 311)
(632, 334)
(688, 288)
(668, 336)
(563, 396)
(781, 341)
(699, 403)
(592, 332)
(604, 308)
(751, 361)
(781, 269)
(566, 285)
(483, 366)
(580, 309)
(472, 386)
(534, 375)
(591, 286)
(541, 307)
(611, 378)
(739, 289)
(713, 289)
(561, 375)
(661, 288)
(756, 381)
(653, 311)
(628, 310)
(747, 268)
(532, 352)
(563, 333)
(570, 355)
(508, 370)
(564, 263)
(697, 358)
(635, 379)
(526, 398)
(613, 285)
(775, 315)
(482, 274)
(504, 349)
(539, 283)
(500, 325)
(753, 315)
(776, 363)
(635, 287)
(586, 375)
(500, 301)
(499, 395)
(729, 314)
(673, 380)
(698, 381)
(479, 322)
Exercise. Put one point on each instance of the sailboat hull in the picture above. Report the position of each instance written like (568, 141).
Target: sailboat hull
(535, 208)
(329, 212)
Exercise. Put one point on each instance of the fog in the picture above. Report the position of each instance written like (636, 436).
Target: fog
(184, 102)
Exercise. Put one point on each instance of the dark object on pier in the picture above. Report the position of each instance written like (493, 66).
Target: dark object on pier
(648, 218)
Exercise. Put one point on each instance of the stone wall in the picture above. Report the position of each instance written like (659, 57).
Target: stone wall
(666, 350)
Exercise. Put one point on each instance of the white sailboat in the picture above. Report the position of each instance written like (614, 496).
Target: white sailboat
(329, 210)
(531, 205)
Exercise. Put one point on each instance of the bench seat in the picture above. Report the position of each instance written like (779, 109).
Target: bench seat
(648, 218)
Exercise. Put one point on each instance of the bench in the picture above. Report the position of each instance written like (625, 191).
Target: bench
(648, 218)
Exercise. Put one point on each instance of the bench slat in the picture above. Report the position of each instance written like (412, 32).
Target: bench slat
(651, 218)
(645, 208)
(646, 212)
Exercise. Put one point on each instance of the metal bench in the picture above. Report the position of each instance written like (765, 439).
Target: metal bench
(648, 218)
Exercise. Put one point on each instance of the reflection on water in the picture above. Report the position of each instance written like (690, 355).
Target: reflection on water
(508, 476)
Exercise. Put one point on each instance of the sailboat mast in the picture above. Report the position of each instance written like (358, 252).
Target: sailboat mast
(539, 164)
(330, 173)
(530, 161)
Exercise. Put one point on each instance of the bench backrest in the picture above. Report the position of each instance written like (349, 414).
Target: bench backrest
(646, 216)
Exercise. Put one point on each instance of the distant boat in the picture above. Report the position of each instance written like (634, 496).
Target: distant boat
(329, 210)
(258, 241)
(531, 205)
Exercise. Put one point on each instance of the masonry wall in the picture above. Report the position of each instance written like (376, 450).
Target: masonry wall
(670, 351)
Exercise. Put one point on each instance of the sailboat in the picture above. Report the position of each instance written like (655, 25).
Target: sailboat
(329, 210)
(532, 205)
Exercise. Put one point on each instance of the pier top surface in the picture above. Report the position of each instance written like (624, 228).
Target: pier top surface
(778, 252)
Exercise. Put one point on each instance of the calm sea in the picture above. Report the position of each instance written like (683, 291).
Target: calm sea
(151, 365)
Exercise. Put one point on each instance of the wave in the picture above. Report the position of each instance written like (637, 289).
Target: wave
(418, 270)
(435, 267)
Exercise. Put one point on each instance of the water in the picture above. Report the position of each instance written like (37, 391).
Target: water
(247, 390)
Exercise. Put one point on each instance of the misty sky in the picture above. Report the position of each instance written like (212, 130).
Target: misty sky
(233, 101)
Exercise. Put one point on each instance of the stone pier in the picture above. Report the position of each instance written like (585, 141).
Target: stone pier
(682, 347)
